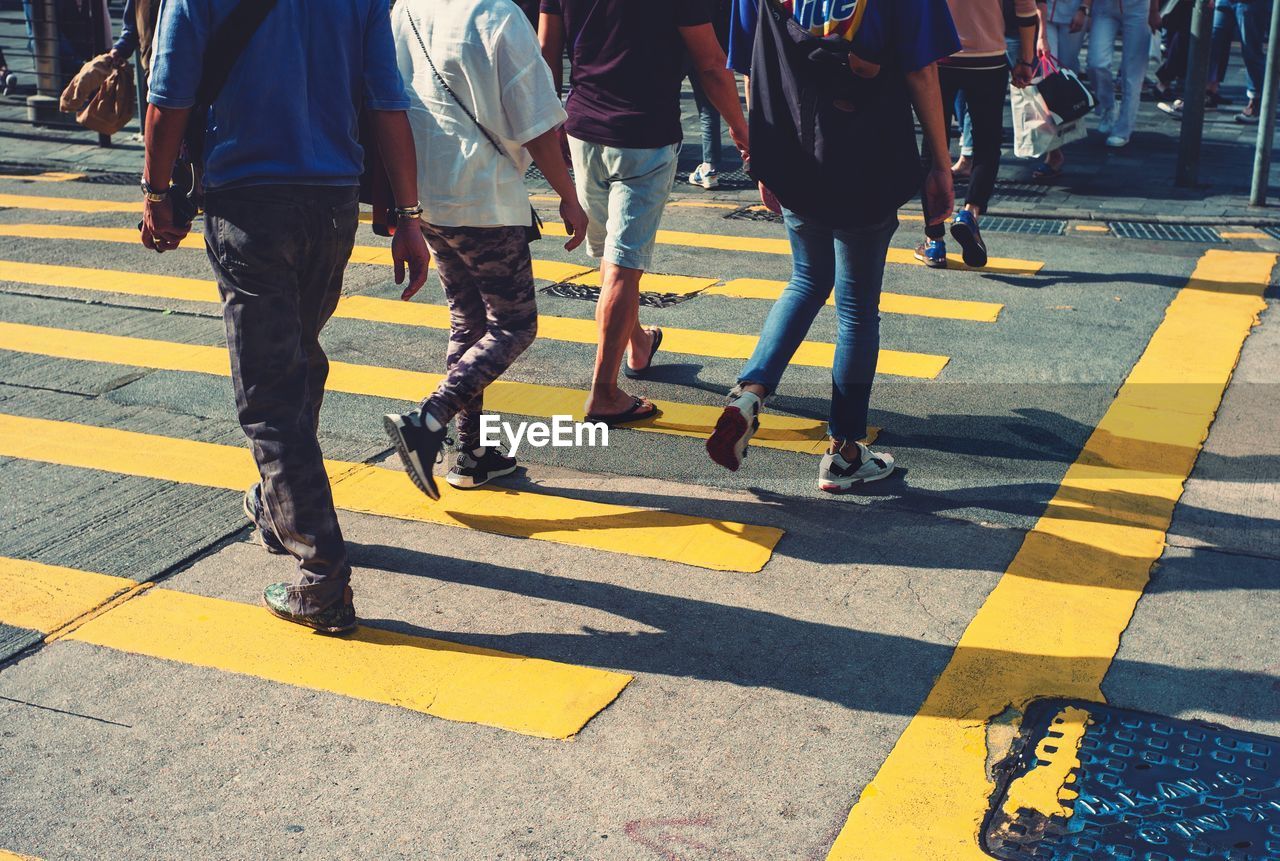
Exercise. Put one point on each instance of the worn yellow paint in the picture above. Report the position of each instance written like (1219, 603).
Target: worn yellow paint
(1045, 788)
(1243, 234)
(654, 282)
(47, 176)
(719, 545)
(13, 856)
(46, 597)
(446, 680)
(773, 245)
(890, 303)
(451, 681)
(788, 433)
(68, 204)
(1092, 228)
(1053, 623)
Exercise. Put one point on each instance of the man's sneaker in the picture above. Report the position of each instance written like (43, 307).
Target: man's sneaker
(338, 619)
(1173, 109)
(1249, 116)
(704, 175)
(419, 448)
(253, 510)
(965, 231)
(470, 471)
(1117, 141)
(932, 253)
(836, 473)
(739, 422)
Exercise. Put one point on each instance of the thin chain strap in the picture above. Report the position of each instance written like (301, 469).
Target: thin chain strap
(450, 91)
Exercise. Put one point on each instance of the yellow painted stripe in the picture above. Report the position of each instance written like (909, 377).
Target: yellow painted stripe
(692, 204)
(891, 303)
(719, 545)
(67, 204)
(1052, 625)
(1092, 228)
(768, 245)
(13, 856)
(1243, 234)
(787, 433)
(48, 176)
(44, 598)
(451, 681)
(556, 272)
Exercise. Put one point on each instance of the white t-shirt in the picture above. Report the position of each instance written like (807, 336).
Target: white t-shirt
(489, 55)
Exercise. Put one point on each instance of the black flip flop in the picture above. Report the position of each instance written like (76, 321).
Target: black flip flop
(634, 374)
(638, 411)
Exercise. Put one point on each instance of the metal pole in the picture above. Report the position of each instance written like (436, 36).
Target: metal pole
(1188, 170)
(1266, 119)
(43, 107)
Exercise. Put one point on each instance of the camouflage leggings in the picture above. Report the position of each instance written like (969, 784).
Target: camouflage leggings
(488, 282)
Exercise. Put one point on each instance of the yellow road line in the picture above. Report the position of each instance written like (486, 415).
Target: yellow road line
(13, 856)
(713, 241)
(67, 204)
(692, 204)
(772, 245)
(1052, 625)
(1092, 228)
(892, 303)
(557, 272)
(1243, 234)
(47, 176)
(719, 545)
(447, 680)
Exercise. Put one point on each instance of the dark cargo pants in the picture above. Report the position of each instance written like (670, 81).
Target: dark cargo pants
(279, 253)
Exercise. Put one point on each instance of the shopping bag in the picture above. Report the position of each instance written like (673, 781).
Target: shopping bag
(113, 107)
(1034, 131)
(1064, 93)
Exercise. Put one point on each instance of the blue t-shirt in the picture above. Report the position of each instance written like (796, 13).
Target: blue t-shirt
(289, 111)
(904, 34)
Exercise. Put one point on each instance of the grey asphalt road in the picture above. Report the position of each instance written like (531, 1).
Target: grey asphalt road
(762, 702)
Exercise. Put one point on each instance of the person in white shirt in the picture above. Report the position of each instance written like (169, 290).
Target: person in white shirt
(481, 104)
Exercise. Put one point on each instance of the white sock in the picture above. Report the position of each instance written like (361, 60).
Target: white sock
(748, 403)
(432, 423)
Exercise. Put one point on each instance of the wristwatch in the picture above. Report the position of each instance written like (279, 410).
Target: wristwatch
(152, 194)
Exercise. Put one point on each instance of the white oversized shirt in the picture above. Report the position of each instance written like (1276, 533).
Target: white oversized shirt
(489, 56)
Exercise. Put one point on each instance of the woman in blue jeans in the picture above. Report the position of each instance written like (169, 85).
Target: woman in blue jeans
(894, 48)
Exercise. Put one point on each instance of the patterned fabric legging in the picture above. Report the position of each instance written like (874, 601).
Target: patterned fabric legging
(493, 313)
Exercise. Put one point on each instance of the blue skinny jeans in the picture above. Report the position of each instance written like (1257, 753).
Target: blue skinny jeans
(850, 262)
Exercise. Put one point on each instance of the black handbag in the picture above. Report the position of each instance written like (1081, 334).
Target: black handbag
(225, 47)
(534, 231)
(1063, 92)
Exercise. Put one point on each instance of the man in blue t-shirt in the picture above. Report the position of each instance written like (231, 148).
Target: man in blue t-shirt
(281, 171)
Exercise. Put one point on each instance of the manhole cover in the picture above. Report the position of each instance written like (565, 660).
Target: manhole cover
(591, 294)
(755, 213)
(110, 179)
(1031, 226)
(1167, 232)
(1088, 782)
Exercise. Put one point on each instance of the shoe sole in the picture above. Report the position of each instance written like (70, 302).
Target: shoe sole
(846, 483)
(323, 629)
(932, 264)
(466, 482)
(424, 481)
(971, 249)
(278, 550)
(728, 443)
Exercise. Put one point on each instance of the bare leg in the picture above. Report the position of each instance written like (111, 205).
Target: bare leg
(618, 319)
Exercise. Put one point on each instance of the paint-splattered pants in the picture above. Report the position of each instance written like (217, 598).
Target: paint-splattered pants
(279, 253)
(493, 312)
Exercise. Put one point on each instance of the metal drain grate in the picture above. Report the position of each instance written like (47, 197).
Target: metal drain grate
(1019, 192)
(592, 294)
(755, 213)
(1089, 781)
(117, 178)
(1167, 232)
(1029, 226)
(1273, 232)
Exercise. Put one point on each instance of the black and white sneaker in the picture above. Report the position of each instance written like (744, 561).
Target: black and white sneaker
(836, 473)
(471, 470)
(419, 447)
(736, 426)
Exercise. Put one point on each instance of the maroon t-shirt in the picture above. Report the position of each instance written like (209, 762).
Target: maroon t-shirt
(628, 64)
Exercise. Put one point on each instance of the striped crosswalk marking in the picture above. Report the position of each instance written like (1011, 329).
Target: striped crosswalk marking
(772, 245)
(371, 309)
(556, 272)
(1052, 625)
(504, 396)
(890, 303)
(712, 241)
(462, 683)
(719, 545)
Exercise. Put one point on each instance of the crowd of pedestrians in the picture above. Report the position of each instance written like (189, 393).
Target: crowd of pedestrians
(266, 99)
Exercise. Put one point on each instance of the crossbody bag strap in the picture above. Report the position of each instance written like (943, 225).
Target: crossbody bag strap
(440, 79)
(227, 44)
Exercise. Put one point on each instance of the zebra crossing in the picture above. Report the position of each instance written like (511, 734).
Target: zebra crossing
(526, 695)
